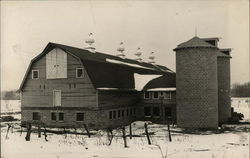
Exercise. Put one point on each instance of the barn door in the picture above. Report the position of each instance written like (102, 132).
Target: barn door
(56, 64)
(57, 98)
(51, 64)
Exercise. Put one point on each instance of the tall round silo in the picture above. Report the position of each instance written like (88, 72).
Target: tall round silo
(196, 84)
(224, 101)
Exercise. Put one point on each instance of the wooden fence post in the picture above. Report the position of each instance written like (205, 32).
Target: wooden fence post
(124, 137)
(75, 131)
(28, 125)
(39, 130)
(130, 131)
(45, 133)
(8, 130)
(110, 137)
(65, 132)
(169, 133)
(86, 128)
(21, 130)
(146, 131)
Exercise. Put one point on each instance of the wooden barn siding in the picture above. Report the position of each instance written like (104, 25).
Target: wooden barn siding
(113, 99)
(155, 102)
(158, 101)
(39, 92)
(69, 118)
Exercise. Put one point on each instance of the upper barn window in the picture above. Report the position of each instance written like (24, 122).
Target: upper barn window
(56, 64)
(155, 95)
(146, 95)
(79, 73)
(35, 74)
(168, 95)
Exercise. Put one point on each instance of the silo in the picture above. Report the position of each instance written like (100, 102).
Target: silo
(224, 101)
(196, 84)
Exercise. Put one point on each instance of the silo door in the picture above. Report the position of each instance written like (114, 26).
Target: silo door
(57, 97)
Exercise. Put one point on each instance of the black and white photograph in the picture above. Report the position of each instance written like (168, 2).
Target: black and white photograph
(125, 79)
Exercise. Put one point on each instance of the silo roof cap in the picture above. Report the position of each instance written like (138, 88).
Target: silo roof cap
(195, 42)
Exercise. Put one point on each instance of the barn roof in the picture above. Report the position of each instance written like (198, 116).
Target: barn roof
(193, 43)
(106, 71)
(165, 81)
(201, 42)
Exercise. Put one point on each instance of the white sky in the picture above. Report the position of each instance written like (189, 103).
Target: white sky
(159, 26)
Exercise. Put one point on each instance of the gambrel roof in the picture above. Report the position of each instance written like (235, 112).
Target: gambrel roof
(106, 71)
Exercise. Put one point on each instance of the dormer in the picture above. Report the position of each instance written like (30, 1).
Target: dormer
(213, 41)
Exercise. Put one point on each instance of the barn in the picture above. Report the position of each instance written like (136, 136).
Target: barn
(66, 86)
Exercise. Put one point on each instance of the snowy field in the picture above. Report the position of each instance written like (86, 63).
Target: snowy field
(230, 143)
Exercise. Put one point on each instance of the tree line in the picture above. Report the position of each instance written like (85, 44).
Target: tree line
(10, 95)
(240, 90)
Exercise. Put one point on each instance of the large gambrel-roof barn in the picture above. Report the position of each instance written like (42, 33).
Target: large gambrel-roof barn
(66, 86)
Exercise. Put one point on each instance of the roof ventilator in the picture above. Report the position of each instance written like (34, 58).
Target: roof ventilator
(90, 41)
(138, 54)
(120, 50)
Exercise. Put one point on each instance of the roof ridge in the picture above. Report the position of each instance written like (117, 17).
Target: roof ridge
(194, 42)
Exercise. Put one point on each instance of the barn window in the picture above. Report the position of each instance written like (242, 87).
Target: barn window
(79, 73)
(156, 111)
(146, 95)
(168, 112)
(35, 116)
(134, 111)
(79, 116)
(35, 74)
(119, 113)
(53, 116)
(122, 113)
(168, 95)
(147, 111)
(61, 116)
(155, 95)
(130, 111)
(110, 114)
(127, 112)
(114, 114)
(161, 94)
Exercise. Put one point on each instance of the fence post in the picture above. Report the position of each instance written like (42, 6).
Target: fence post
(39, 130)
(110, 137)
(45, 133)
(146, 131)
(169, 133)
(124, 137)
(130, 131)
(86, 128)
(28, 125)
(8, 130)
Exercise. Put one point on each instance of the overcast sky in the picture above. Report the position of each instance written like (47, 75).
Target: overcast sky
(27, 27)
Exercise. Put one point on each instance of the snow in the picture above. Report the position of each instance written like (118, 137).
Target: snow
(162, 89)
(183, 145)
(142, 80)
(242, 105)
(128, 64)
(104, 88)
(207, 144)
(10, 106)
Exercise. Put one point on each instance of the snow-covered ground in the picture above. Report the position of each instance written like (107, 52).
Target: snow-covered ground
(228, 144)
(10, 106)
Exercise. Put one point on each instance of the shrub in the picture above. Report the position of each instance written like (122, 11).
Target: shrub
(7, 118)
